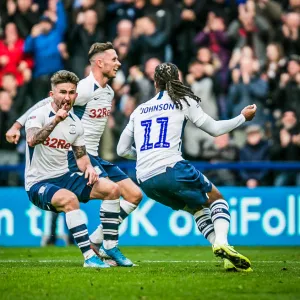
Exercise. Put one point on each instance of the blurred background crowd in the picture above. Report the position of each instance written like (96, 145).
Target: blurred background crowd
(232, 53)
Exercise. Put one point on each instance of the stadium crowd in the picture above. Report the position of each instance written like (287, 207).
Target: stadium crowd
(231, 52)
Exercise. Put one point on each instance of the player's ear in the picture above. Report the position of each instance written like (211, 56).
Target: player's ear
(99, 62)
(51, 93)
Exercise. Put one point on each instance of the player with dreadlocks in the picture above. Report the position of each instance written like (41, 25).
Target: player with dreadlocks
(167, 78)
(156, 127)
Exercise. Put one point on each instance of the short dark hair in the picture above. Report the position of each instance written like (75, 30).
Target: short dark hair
(64, 76)
(167, 78)
(99, 48)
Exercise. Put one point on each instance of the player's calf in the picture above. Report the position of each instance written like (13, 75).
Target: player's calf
(132, 196)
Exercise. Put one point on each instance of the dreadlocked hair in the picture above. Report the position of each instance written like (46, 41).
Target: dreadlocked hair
(167, 78)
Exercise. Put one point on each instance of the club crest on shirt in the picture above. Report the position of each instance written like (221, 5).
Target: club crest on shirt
(72, 129)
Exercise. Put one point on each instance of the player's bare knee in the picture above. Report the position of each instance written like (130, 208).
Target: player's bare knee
(71, 203)
(135, 196)
(114, 192)
(214, 195)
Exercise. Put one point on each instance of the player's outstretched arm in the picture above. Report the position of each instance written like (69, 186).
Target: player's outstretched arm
(13, 134)
(217, 128)
(125, 148)
(84, 164)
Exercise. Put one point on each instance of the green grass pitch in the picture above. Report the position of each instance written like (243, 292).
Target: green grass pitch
(162, 273)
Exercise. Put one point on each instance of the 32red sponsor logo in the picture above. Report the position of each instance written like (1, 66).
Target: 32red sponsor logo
(99, 113)
(56, 143)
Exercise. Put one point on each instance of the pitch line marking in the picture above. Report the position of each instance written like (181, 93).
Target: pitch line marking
(142, 261)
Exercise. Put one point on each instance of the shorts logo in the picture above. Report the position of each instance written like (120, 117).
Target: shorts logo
(42, 189)
(72, 129)
(32, 117)
(98, 171)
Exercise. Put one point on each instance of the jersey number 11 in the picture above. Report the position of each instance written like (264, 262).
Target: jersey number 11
(162, 134)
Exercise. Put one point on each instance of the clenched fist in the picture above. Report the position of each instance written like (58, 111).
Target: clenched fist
(249, 112)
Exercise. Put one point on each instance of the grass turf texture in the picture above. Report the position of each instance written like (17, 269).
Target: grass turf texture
(163, 273)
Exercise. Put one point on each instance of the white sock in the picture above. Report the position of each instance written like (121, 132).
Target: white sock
(221, 219)
(97, 236)
(77, 227)
(205, 225)
(109, 215)
(126, 208)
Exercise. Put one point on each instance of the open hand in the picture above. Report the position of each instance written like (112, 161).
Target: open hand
(91, 175)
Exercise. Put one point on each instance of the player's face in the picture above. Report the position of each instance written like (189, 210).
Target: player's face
(110, 63)
(64, 93)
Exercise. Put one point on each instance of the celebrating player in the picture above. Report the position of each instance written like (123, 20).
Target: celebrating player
(93, 106)
(50, 131)
(156, 128)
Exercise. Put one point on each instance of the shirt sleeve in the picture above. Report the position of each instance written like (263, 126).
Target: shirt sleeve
(195, 113)
(124, 147)
(39, 104)
(34, 120)
(83, 94)
(217, 128)
(129, 129)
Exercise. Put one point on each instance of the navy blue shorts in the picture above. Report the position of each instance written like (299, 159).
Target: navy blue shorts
(180, 186)
(41, 193)
(105, 168)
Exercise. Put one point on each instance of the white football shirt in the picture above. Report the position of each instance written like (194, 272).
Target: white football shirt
(92, 107)
(50, 159)
(157, 127)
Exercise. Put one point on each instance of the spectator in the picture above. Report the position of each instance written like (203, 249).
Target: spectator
(223, 150)
(142, 84)
(8, 154)
(203, 86)
(270, 11)
(122, 44)
(256, 149)
(250, 30)
(19, 95)
(119, 10)
(239, 54)
(248, 88)
(215, 38)
(85, 5)
(210, 61)
(83, 34)
(187, 22)
(286, 147)
(43, 43)
(294, 5)
(24, 13)
(290, 34)
(148, 41)
(12, 57)
(276, 64)
(287, 94)
(160, 11)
